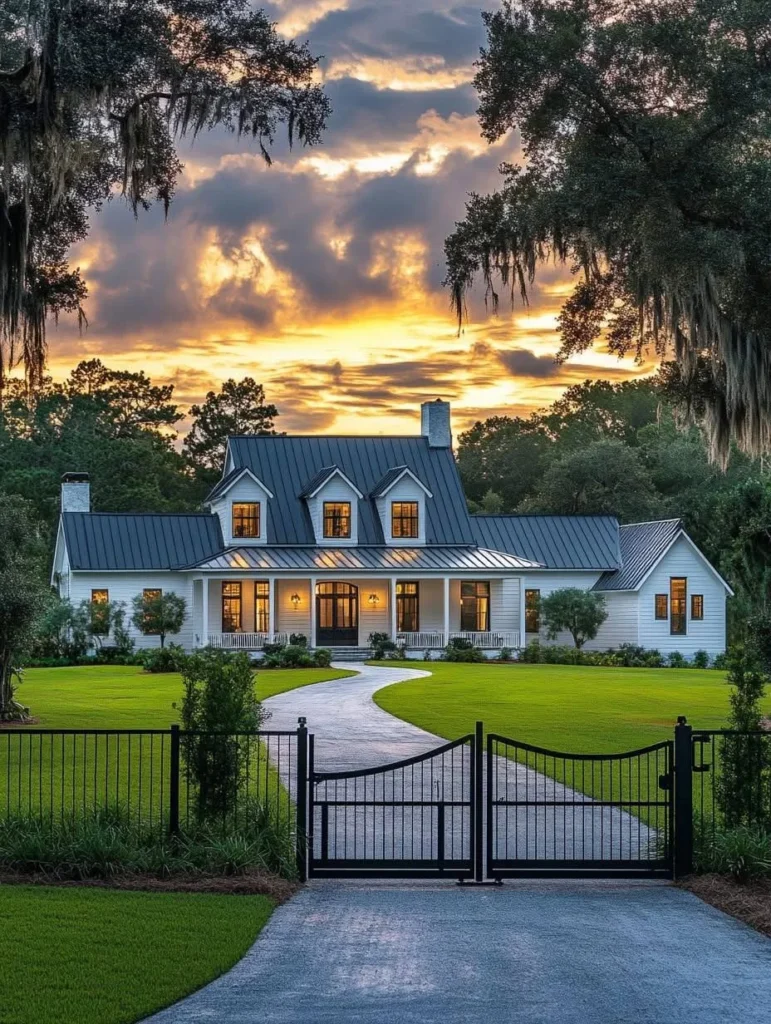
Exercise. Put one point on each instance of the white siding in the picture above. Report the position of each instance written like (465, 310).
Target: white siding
(124, 586)
(373, 619)
(244, 490)
(288, 618)
(431, 605)
(708, 634)
(620, 627)
(335, 490)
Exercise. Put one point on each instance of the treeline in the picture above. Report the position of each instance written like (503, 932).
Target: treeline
(124, 431)
(617, 449)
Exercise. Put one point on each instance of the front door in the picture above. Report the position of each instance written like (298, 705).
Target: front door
(337, 615)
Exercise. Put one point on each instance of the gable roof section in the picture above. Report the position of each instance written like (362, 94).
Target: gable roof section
(287, 464)
(325, 474)
(104, 541)
(643, 545)
(227, 482)
(392, 477)
(556, 542)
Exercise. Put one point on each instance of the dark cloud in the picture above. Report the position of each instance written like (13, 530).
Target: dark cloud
(522, 363)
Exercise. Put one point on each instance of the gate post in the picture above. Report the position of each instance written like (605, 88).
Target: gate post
(302, 799)
(683, 837)
(478, 801)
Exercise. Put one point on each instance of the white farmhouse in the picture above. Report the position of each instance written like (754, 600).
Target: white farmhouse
(338, 537)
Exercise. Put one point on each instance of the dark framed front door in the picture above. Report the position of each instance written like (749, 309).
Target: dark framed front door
(337, 615)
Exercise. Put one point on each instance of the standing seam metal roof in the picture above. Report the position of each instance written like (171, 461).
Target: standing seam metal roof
(102, 541)
(557, 542)
(642, 545)
(286, 464)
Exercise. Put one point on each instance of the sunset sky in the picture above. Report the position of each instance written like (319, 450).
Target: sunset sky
(321, 275)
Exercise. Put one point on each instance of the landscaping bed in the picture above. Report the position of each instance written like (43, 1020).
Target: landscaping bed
(749, 901)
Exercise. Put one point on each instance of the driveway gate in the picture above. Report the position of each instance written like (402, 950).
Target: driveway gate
(550, 813)
(413, 818)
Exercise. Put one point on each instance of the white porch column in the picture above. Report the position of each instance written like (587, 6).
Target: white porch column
(446, 585)
(271, 608)
(205, 612)
(392, 608)
(522, 620)
(312, 638)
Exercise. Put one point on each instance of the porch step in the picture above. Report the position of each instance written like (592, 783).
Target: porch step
(351, 653)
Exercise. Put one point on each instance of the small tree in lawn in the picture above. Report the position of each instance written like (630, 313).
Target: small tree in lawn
(158, 614)
(219, 706)
(579, 612)
(23, 594)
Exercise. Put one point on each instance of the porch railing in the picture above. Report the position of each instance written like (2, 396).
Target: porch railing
(246, 641)
(490, 640)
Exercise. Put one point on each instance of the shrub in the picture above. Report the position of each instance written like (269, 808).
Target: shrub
(163, 659)
(461, 649)
(219, 702)
(322, 657)
(298, 640)
(269, 649)
(427, 655)
(533, 653)
(676, 660)
(579, 612)
(700, 659)
(720, 661)
(743, 851)
(381, 644)
(654, 658)
(630, 655)
(506, 654)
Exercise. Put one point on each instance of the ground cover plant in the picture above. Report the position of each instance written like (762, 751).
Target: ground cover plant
(77, 954)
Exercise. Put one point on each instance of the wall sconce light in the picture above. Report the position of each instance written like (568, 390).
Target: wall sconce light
(295, 599)
(373, 600)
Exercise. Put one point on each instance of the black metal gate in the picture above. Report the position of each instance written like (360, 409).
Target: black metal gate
(413, 818)
(557, 814)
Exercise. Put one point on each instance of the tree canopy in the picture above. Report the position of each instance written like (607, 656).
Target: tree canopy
(645, 129)
(94, 97)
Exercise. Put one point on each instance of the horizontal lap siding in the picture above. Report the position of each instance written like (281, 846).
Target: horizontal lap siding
(289, 619)
(504, 604)
(124, 586)
(373, 619)
(708, 634)
(620, 627)
(431, 605)
(547, 583)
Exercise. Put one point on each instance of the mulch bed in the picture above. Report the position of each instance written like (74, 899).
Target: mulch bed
(750, 903)
(250, 884)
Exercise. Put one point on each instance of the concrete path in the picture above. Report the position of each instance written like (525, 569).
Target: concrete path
(352, 732)
(556, 953)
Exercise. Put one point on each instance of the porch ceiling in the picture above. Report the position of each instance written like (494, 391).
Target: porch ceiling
(365, 559)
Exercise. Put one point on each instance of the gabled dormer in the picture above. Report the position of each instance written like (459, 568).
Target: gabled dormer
(333, 504)
(240, 500)
(401, 497)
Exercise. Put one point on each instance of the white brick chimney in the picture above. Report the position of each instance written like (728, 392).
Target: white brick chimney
(76, 493)
(435, 423)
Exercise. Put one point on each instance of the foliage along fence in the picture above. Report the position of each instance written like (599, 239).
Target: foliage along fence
(149, 776)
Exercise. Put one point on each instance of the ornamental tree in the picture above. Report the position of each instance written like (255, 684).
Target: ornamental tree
(645, 169)
(157, 613)
(579, 612)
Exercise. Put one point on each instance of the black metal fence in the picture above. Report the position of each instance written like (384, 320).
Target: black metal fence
(148, 776)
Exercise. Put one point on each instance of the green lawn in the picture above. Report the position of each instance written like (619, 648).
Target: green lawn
(72, 956)
(125, 697)
(563, 707)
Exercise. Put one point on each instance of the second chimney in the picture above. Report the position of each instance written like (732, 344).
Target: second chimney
(76, 493)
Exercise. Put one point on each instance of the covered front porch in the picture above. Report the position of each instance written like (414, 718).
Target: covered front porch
(247, 612)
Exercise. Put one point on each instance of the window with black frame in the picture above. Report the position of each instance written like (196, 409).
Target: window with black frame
(405, 519)
(231, 607)
(337, 519)
(261, 606)
(407, 608)
(677, 606)
(661, 605)
(532, 611)
(475, 607)
(246, 519)
(697, 607)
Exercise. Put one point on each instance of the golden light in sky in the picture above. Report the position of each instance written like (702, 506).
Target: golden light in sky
(321, 275)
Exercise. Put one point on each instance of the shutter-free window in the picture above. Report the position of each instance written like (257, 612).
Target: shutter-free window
(231, 607)
(662, 606)
(337, 519)
(261, 606)
(697, 606)
(246, 519)
(407, 610)
(677, 606)
(475, 607)
(532, 611)
(405, 519)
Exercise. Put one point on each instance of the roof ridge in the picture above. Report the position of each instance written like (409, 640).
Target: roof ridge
(168, 515)
(653, 522)
(546, 515)
(327, 437)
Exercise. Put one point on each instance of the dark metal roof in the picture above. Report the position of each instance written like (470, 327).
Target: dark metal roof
(224, 483)
(108, 541)
(317, 480)
(386, 481)
(364, 559)
(642, 545)
(286, 464)
(557, 542)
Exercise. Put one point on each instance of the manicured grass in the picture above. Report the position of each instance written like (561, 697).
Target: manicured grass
(73, 955)
(125, 697)
(562, 707)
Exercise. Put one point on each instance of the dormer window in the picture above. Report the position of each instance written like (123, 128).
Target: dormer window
(246, 519)
(405, 519)
(337, 519)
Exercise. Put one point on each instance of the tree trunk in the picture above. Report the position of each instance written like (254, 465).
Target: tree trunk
(5, 683)
(162, 638)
